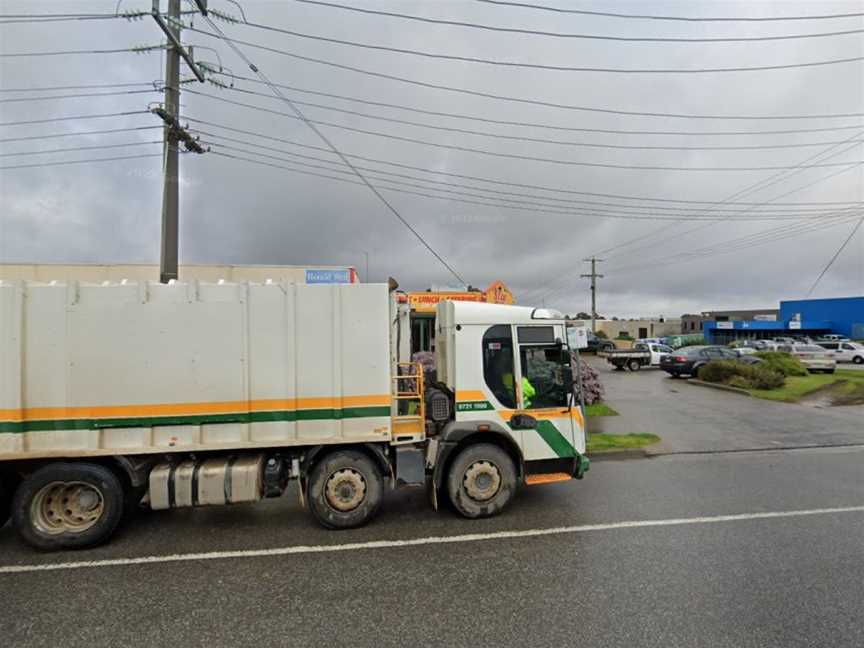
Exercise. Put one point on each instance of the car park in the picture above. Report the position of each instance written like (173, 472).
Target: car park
(845, 351)
(813, 357)
(688, 361)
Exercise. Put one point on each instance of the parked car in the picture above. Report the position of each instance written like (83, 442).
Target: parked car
(845, 351)
(832, 337)
(688, 361)
(765, 345)
(785, 340)
(650, 341)
(812, 356)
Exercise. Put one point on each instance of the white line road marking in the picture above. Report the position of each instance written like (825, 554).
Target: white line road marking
(414, 542)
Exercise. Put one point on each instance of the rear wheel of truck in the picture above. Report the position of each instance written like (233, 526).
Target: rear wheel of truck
(5, 502)
(481, 481)
(68, 506)
(634, 365)
(345, 490)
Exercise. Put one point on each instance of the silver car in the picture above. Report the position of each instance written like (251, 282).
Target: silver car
(814, 358)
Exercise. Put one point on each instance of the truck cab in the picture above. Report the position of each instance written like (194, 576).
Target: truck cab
(509, 371)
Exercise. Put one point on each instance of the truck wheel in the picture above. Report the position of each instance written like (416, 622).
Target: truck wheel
(858, 359)
(634, 365)
(481, 481)
(68, 506)
(5, 502)
(345, 490)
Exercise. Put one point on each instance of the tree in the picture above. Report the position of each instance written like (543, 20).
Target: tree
(602, 335)
(582, 316)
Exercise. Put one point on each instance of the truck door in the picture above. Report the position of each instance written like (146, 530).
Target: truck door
(552, 429)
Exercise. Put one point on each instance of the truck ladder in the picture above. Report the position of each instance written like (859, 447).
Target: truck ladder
(409, 420)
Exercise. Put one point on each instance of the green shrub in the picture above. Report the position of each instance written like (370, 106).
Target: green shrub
(765, 377)
(782, 363)
(720, 371)
(602, 335)
(740, 382)
(737, 374)
(624, 336)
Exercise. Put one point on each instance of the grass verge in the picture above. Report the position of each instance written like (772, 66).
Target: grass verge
(613, 442)
(796, 387)
(599, 409)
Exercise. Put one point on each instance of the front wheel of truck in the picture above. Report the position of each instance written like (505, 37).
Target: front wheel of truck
(482, 481)
(68, 506)
(345, 490)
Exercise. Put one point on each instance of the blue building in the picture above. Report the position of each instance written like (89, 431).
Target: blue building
(797, 318)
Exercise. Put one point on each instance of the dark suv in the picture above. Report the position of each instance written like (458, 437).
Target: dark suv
(687, 360)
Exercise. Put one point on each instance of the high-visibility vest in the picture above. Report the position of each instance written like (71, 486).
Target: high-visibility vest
(528, 390)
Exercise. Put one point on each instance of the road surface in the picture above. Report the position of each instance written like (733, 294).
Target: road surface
(746, 549)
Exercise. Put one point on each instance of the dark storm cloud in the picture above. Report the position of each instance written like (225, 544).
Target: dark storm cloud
(234, 212)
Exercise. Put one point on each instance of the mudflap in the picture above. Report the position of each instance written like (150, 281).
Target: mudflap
(583, 465)
(410, 467)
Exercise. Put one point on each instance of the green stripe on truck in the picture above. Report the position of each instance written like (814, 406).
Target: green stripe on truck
(196, 419)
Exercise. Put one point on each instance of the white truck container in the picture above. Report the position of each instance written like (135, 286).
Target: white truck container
(185, 394)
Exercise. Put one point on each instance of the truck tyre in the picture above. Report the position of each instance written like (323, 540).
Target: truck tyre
(481, 481)
(634, 365)
(345, 490)
(858, 359)
(5, 502)
(68, 506)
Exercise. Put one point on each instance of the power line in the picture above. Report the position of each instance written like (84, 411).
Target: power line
(75, 134)
(73, 118)
(834, 258)
(538, 140)
(522, 64)
(501, 182)
(523, 100)
(127, 50)
(525, 5)
(534, 32)
(502, 122)
(108, 159)
(70, 16)
(513, 156)
(79, 95)
(86, 86)
(324, 138)
(80, 148)
(617, 212)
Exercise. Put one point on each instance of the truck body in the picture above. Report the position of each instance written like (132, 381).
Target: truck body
(184, 394)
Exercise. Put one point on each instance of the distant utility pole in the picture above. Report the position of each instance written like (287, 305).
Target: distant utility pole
(594, 277)
(173, 133)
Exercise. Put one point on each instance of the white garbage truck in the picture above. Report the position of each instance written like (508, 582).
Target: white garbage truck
(126, 394)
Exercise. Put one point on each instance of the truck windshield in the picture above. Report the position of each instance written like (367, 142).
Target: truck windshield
(543, 370)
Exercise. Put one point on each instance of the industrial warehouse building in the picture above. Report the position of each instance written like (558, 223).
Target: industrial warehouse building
(796, 318)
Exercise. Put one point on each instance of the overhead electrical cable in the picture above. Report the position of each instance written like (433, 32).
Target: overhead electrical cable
(504, 122)
(514, 156)
(521, 64)
(74, 118)
(80, 148)
(64, 163)
(596, 207)
(584, 36)
(498, 182)
(523, 100)
(538, 140)
(607, 14)
(79, 95)
(85, 86)
(105, 131)
(333, 147)
(836, 254)
(126, 50)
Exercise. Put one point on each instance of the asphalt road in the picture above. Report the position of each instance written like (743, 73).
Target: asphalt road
(678, 575)
(691, 418)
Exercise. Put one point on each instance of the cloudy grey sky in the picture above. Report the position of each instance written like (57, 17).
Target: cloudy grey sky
(238, 212)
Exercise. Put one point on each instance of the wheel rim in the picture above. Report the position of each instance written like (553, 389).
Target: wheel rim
(482, 481)
(67, 507)
(345, 490)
